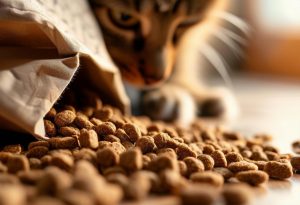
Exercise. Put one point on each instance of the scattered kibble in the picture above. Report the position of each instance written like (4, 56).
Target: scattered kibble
(279, 170)
(97, 155)
(253, 177)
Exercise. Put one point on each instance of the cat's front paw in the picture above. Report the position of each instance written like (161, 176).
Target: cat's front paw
(170, 103)
(219, 103)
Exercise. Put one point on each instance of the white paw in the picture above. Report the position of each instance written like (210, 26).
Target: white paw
(219, 102)
(170, 103)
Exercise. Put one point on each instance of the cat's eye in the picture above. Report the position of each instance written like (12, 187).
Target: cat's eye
(123, 19)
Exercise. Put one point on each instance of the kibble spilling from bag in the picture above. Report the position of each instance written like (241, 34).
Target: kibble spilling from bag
(97, 155)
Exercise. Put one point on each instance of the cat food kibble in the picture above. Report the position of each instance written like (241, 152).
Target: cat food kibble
(219, 158)
(64, 118)
(131, 160)
(96, 155)
(296, 147)
(207, 161)
(208, 177)
(279, 170)
(198, 195)
(242, 166)
(253, 177)
(237, 195)
(295, 161)
(88, 138)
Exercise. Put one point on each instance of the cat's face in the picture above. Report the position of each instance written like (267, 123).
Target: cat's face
(142, 35)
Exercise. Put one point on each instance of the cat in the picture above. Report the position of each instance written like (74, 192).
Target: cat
(149, 41)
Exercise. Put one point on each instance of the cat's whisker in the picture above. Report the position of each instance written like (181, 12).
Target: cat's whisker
(236, 21)
(234, 36)
(217, 61)
(229, 42)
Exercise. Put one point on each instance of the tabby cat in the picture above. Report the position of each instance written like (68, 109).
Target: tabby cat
(149, 41)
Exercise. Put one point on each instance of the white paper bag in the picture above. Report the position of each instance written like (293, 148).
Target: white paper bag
(42, 45)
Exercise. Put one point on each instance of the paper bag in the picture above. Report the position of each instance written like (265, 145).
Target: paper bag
(43, 43)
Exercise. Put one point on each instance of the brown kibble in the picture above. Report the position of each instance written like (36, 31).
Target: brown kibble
(193, 165)
(208, 177)
(183, 151)
(207, 161)
(82, 121)
(54, 181)
(272, 156)
(253, 177)
(50, 128)
(121, 134)
(219, 158)
(182, 168)
(106, 128)
(76, 197)
(198, 194)
(46, 160)
(69, 107)
(51, 114)
(111, 138)
(295, 161)
(104, 114)
(133, 132)
(107, 157)
(138, 187)
(279, 170)
(35, 163)
(113, 170)
(46, 200)
(15, 149)
(237, 195)
(242, 166)
(246, 154)
(95, 121)
(259, 156)
(85, 154)
(4, 156)
(131, 160)
(117, 178)
(163, 140)
(232, 136)
(88, 138)
(171, 181)
(208, 149)
(63, 142)
(62, 161)
(93, 184)
(163, 162)
(16, 163)
(146, 143)
(64, 118)
(38, 143)
(30, 177)
(296, 147)
(167, 151)
(233, 157)
(225, 172)
(37, 152)
(68, 131)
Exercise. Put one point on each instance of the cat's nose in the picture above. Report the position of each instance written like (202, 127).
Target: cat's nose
(155, 68)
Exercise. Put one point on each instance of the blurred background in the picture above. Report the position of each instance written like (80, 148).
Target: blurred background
(266, 73)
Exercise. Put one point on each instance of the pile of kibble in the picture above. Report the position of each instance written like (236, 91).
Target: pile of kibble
(97, 155)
